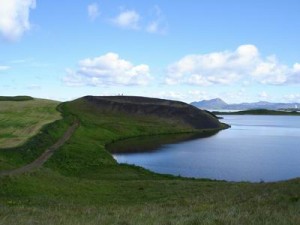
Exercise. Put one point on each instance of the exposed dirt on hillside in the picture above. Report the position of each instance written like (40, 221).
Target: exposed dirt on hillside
(45, 156)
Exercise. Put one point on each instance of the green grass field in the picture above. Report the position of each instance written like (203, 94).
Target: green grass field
(20, 120)
(83, 184)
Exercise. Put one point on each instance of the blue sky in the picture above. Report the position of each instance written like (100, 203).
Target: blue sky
(240, 51)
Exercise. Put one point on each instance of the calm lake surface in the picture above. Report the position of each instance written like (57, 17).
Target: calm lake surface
(255, 148)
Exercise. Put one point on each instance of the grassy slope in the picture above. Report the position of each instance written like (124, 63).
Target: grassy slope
(15, 98)
(82, 184)
(20, 120)
(26, 121)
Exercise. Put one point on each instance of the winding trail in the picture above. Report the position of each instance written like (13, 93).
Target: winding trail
(45, 156)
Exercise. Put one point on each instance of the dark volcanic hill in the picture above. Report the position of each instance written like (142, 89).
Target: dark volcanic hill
(168, 110)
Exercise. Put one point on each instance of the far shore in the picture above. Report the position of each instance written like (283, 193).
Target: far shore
(259, 112)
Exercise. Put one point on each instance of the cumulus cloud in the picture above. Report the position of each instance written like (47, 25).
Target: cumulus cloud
(295, 73)
(14, 18)
(108, 69)
(154, 23)
(128, 19)
(93, 11)
(270, 71)
(158, 25)
(228, 67)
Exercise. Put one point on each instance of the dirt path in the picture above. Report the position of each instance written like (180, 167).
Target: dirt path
(45, 156)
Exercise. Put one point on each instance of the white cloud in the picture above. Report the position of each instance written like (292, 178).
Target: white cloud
(155, 23)
(295, 74)
(159, 24)
(74, 79)
(14, 18)
(264, 95)
(172, 95)
(292, 97)
(240, 95)
(270, 71)
(153, 27)
(196, 95)
(214, 68)
(235, 96)
(228, 67)
(3, 68)
(128, 19)
(186, 96)
(108, 69)
(93, 11)
(296, 68)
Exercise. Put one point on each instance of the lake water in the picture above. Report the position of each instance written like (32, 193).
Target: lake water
(255, 148)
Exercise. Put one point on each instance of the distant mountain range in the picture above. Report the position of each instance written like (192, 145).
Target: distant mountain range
(219, 104)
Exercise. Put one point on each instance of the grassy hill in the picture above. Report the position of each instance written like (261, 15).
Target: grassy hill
(16, 98)
(106, 121)
(22, 119)
(83, 184)
(173, 112)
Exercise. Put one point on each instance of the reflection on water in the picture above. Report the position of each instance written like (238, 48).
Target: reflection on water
(153, 143)
(255, 148)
